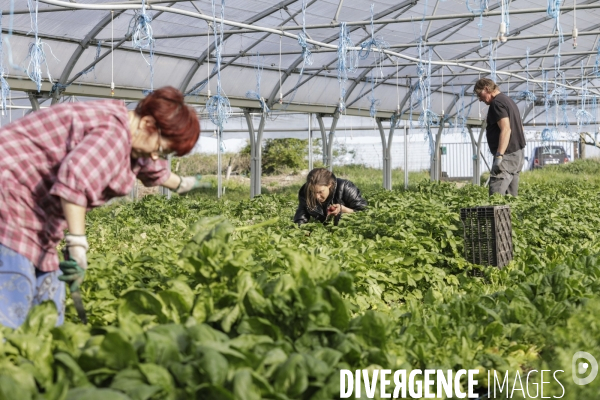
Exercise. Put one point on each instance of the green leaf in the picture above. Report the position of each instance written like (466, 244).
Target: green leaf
(160, 377)
(213, 365)
(133, 383)
(243, 386)
(291, 377)
(95, 394)
(117, 352)
(139, 301)
(40, 320)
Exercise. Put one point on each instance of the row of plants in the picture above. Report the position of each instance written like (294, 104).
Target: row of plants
(193, 298)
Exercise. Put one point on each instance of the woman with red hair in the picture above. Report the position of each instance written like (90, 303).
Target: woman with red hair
(58, 163)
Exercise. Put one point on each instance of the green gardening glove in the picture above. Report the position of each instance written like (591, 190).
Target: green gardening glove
(73, 274)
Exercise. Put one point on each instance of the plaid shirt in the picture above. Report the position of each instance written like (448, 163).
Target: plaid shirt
(76, 151)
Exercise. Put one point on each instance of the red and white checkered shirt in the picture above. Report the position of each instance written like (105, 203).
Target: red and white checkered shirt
(77, 151)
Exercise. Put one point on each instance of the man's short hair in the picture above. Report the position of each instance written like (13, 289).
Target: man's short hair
(485, 83)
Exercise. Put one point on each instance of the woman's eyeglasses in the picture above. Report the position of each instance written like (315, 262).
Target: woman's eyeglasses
(161, 153)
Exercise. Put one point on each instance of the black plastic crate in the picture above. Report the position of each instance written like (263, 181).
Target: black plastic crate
(488, 235)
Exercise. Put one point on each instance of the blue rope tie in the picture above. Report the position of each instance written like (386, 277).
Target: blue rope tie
(93, 67)
(306, 54)
(526, 94)
(142, 39)
(483, 5)
(251, 94)
(549, 133)
(374, 102)
(36, 53)
(347, 62)
(373, 43)
(141, 29)
(427, 117)
(584, 118)
(218, 107)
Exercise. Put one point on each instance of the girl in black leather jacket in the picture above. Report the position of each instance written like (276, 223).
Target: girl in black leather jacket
(323, 194)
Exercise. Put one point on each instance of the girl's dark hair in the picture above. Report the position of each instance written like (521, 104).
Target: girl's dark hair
(317, 177)
(177, 121)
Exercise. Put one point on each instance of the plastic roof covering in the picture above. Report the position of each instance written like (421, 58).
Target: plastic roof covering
(453, 38)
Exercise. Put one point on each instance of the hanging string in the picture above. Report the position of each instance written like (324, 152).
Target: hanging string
(594, 108)
(461, 115)
(373, 43)
(306, 54)
(563, 101)
(584, 118)
(443, 111)
(478, 10)
(251, 94)
(347, 62)
(217, 106)
(280, 95)
(553, 11)
(142, 39)
(36, 55)
(505, 24)
(93, 67)
(60, 87)
(492, 57)
(526, 94)
(4, 86)
(398, 88)
(575, 32)
(548, 133)
(199, 87)
(427, 118)
(374, 102)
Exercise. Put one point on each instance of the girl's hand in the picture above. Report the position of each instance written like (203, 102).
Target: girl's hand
(334, 209)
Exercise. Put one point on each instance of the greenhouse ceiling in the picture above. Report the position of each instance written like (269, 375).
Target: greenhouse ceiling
(414, 58)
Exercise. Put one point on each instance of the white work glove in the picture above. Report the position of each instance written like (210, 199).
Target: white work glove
(191, 182)
(77, 247)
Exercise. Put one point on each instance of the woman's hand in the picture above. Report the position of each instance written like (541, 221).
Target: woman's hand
(336, 209)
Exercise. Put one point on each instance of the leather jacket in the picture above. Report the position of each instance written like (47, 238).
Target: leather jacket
(344, 192)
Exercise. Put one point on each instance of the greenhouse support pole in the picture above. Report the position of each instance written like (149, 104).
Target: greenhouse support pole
(387, 155)
(258, 153)
(323, 139)
(310, 150)
(252, 150)
(328, 141)
(483, 126)
(255, 153)
(33, 99)
(476, 161)
(336, 118)
(219, 165)
(405, 157)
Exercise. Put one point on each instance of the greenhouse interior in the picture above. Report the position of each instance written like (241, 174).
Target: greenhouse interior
(225, 293)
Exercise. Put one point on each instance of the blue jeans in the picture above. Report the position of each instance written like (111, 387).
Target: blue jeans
(23, 286)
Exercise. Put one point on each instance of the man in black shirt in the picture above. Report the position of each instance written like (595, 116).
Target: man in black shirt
(505, 137)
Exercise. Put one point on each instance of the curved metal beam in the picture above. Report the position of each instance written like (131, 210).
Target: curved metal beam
(300, 59)
(201, 60)
(83, 45)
